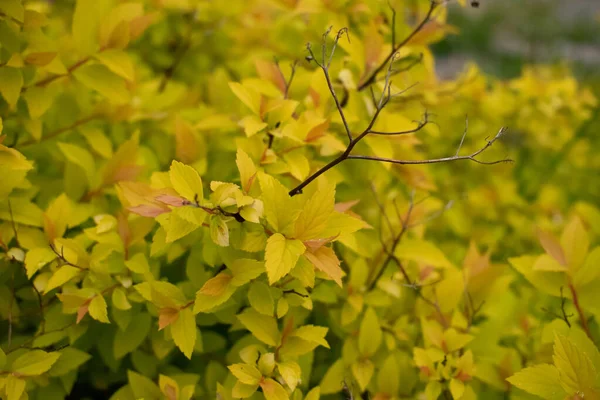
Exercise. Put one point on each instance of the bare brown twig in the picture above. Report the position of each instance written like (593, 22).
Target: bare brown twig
(384, 99)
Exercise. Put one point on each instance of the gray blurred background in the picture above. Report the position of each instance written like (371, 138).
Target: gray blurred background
(503, 35)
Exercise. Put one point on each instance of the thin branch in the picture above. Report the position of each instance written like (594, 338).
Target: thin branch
(57, 132)
(61, 256)
(324, 65)
(287, 83)
(373, 75)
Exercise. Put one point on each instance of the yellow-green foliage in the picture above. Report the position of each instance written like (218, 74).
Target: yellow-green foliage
(162, 236)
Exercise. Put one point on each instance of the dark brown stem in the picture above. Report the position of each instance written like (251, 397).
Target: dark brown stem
(582, 318)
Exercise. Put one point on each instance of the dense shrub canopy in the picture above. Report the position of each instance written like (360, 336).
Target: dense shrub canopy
(196, 203)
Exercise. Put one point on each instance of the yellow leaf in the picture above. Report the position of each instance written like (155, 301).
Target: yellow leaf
(97, 309)
(575, 243)
(97, 140)
(86, 21)
(186, 181)
(576, 371)
(14, 387)
(36, 258)
(245, 373)
(61, 276)
(272, 390)
(370, 334)
(183, 331)
(281, 255)
(552, 246)
(290, 372)
(260, 298)
(101, 79)
(363, 372)
(38, 99)
(316, 212)
(13, 9)
(80, 157)
(219, 232)
(118, 62)
(281, 210)
(244, 270)
(247, 169)
(34, 362)
(422, 251)
(40, 59)
(168, 387)
(325, 260)
(248, 96)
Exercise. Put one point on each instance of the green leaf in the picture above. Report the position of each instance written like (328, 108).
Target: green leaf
(186, 181)
(263, 328)
(314, 394)
(97, 309)
(245, 373)
(34, 362)
(183, 331)
(541, 380)
(260, 298)
(131, 338)
(143, 387)
(80, 157)
(215, 292)
(70, 359)
(104, 81)
(576, 371)
(11, 82)
(281, 255)
(370, 334)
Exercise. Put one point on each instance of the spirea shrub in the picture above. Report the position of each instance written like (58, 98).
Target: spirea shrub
(279, 199)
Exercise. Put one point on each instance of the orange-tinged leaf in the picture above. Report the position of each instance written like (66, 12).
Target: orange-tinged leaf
(552, 246)
(40, 59)
(272, 390)
(166, 316)
(216, 286)
(325, 260)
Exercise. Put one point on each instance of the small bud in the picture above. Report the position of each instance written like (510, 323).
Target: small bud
(309, 58)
